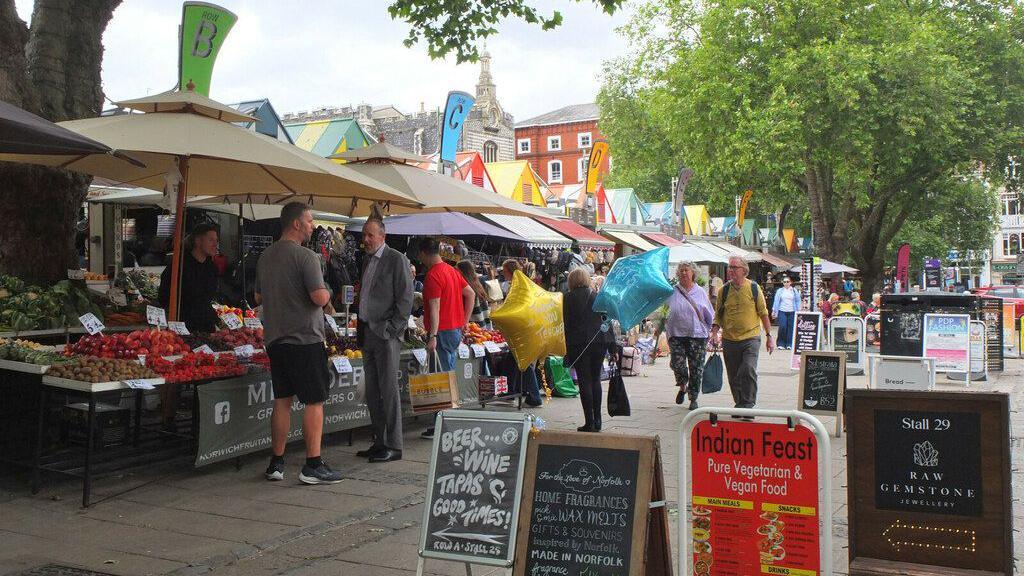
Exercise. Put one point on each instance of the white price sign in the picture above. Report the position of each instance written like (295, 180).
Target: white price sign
(76, 274)
(332, 323)
(245, 352)
(231, 321)
(253, 323)
(205, 349)
(178, 328)
(478, 350)
(91, 323)
(341, 365)
(142, 359)
(492, 347)
(138, 384)
(463, 351)
(156, 316)
(421, 356)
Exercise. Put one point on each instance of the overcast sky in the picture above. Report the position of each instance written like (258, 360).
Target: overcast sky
(306, 54)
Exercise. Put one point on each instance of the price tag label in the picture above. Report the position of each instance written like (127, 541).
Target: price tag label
(341, 365)
(231, 321)
(142, 359)
(478, 350)
(138, 384)
(91, 323)
(156, 316)
(76, 274)
(117, 296)
(332, 323)
(253, 323)
(463, 351)
(178, 328)
(421, 356)
(205, 349)
(348, 295)
(245, 352)
(492, 347)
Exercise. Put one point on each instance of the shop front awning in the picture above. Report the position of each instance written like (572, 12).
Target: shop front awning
(693, 252)
(629, 239)
(534, 232)
(731, 250)
(587, 238)
(662, 239)
(777, 262)
(829, 267)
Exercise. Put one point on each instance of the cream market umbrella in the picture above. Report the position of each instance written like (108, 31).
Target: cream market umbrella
(187, 140)
(379, 151)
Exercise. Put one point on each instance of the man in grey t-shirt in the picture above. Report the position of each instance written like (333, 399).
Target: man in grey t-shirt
(290, 286)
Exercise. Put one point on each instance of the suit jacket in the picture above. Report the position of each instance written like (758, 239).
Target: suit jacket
(582, 324)
(391, 303)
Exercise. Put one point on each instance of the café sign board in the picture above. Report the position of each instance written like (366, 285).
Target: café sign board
(931, 487)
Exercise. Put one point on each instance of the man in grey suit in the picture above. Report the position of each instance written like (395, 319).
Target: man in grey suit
(385, 302)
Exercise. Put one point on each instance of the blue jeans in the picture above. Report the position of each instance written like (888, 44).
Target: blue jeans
(448, 347)
(785, 328)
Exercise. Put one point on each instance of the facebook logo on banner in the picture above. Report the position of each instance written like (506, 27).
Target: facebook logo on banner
(221, 412)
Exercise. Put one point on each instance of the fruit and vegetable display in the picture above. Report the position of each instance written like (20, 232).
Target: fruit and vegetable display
(474, 334)
(25, 307)
(127, 318)
(130, 345)
(136, 281)
(30, 353)
(196, 366)
(341, 344)
(88, 369)
(94, 277)
(231, 339)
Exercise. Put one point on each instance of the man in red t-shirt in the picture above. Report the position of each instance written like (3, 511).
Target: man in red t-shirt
(447, 305)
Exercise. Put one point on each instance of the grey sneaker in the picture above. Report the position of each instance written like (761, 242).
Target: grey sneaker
(275, 471)
(322, 474)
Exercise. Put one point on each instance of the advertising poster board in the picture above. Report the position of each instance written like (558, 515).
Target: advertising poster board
(947, 339)
(901, 373)
(474, 486)
(847, 335)
(822, 383)
(755, 500)
(593, 504)
(806, 335)
(931, 491)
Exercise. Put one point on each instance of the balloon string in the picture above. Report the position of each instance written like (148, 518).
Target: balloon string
(585, 349)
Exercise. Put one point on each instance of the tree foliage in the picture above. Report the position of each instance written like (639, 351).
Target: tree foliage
(862, 111)
(459, 25)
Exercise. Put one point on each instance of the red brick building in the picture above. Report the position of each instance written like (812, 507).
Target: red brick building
(558, 143)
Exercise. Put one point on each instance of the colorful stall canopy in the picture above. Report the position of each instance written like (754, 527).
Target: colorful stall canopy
(469, 166)
(777, 262)
(659, 238)
(789, 235)
(694, 252)
(326, 137)
(515, 179)
(698, 220)
(535, 233)
(625, 207)
(585, 236)
(629, 239)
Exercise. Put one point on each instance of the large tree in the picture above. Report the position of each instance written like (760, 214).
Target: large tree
(52, 69)
(862, 111)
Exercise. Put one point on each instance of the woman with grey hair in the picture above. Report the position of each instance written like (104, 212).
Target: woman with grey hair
(690, 316)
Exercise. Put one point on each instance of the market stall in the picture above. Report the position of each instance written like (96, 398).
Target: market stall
(628, 242)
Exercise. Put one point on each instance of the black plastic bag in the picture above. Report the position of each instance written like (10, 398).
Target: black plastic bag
(712, 381)
(618, 401)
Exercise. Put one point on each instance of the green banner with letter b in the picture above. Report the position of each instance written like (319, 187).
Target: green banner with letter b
(203, 30)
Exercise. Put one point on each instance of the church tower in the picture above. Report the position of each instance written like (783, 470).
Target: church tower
(489, 130)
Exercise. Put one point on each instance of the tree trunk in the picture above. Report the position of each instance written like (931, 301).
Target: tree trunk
(53, 69)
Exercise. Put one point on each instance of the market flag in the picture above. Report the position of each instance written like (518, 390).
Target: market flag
(455, 111)
(678, 193)
(597, 155)
(743, 208)
(203, 30)
(903, 266)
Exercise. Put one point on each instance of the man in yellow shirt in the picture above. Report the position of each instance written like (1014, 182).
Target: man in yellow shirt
(740, 314)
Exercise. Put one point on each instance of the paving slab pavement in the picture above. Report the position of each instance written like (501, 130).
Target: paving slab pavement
(221, 521)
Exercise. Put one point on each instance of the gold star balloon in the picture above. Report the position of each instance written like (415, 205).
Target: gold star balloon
(531, 321)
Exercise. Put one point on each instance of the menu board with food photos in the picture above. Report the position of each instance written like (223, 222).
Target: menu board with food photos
(754, 499)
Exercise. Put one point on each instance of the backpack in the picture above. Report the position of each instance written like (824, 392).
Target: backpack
(754, 288)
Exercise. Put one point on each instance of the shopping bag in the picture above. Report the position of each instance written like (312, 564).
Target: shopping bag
(435, 391)
(493, 288)
(559, 379)
(618, 401)
(712, 381)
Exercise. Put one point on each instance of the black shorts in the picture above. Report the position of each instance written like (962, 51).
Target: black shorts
(300, 370)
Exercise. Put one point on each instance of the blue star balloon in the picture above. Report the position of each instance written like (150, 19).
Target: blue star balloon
(636, 286)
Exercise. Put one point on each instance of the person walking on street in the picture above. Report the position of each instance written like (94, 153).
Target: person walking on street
(584, 345)
(787, 302)
(385, 302)
(690, 316)
(447, 305)
(290, 286)
(740, 314)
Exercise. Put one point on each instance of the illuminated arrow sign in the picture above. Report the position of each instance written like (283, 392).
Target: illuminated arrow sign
(901, 535)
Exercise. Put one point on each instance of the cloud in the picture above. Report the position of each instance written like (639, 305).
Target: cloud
(305, 54)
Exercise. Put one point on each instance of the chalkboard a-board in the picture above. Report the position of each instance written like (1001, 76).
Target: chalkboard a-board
(806, 335)
(587, 507)
(822, 382)
(474, 487)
